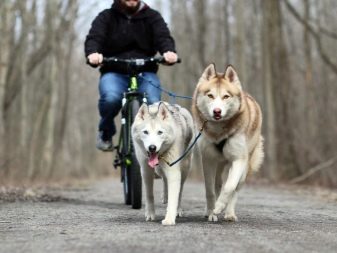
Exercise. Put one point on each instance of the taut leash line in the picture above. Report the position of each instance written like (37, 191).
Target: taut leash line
(188, 149)
(169, 93)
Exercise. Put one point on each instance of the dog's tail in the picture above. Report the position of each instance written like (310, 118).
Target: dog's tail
(257, 157)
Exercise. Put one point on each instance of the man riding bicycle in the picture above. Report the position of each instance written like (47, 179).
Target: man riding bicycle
(129, 29)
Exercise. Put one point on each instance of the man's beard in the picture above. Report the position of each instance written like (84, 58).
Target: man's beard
(127, 9)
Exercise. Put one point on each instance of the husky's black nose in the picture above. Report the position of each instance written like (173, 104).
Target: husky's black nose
(152, 148)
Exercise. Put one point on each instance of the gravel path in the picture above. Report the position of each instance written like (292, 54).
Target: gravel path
(93, 219)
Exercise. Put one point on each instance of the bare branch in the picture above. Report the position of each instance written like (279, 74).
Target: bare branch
(315, 34)
(328, 33)
(319, 167)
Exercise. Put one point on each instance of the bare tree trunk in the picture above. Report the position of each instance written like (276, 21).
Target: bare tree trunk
(227, 31)
(12, 106)
(278, 86)
(307, 44)
(239, 40)
(219, 44)
(253, 38)
(64, 61)
(269, 106)
(308, 91)
(201, 22)
(5, 25)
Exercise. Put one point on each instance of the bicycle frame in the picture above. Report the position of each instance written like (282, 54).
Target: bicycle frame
(128, 96)
(125, 157)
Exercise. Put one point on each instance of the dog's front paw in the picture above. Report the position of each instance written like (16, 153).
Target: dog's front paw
(150, 216)
(168, 221)
(231, 217)
(212, 218)
(218, 208)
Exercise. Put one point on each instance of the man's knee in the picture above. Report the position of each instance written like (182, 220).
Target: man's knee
(110, 99)
(110, 104)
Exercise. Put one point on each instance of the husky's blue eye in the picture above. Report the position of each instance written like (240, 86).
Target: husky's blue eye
(160, 132)
(145, 132)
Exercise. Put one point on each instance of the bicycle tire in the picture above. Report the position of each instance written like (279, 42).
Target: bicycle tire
(124, 166)
(126, 184)
(135, 174)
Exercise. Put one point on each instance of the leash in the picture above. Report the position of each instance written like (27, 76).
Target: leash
(171, 94)
(173, 97)
(188, 149)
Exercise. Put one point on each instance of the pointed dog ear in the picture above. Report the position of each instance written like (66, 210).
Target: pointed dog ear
(209, 72)
(143, 111)
(232, 76)
(163, 111)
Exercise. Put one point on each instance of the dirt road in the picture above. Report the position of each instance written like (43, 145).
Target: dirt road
(93, 219)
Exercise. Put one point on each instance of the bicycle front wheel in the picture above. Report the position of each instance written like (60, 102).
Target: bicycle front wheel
(134, 168)
(126, 177)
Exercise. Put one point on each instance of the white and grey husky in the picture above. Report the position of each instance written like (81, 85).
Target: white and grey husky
(161, 133)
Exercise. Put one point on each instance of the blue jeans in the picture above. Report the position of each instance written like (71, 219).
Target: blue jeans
(111, 89)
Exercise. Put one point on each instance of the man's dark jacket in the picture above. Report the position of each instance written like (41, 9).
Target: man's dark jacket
(113, 33)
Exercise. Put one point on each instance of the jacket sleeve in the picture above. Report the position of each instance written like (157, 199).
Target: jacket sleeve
(163, 40)
(96, 37)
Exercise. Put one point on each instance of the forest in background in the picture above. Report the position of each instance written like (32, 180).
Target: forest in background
(285, 52)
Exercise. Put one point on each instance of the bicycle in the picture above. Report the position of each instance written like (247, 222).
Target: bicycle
(125, 156)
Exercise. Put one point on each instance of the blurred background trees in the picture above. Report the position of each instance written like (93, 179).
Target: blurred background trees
(47, 129)
(285, 52)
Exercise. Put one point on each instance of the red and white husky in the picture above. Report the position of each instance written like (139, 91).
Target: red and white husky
(231, 139)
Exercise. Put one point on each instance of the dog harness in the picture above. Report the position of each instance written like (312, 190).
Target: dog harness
(219, 146)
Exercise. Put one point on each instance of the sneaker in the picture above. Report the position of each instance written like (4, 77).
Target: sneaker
(103, 144)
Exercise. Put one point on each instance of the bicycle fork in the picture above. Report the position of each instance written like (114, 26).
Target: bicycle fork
(119, 160)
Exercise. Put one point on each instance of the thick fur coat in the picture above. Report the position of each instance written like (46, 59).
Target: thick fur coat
(231, 139)
(161, 133)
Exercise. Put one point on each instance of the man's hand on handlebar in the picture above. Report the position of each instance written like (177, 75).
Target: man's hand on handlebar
(170, 57)
(95, 58)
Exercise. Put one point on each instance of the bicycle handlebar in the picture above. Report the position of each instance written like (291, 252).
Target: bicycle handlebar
(136, 62)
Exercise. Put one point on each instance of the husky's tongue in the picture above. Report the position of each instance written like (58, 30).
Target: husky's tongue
(153, 160)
